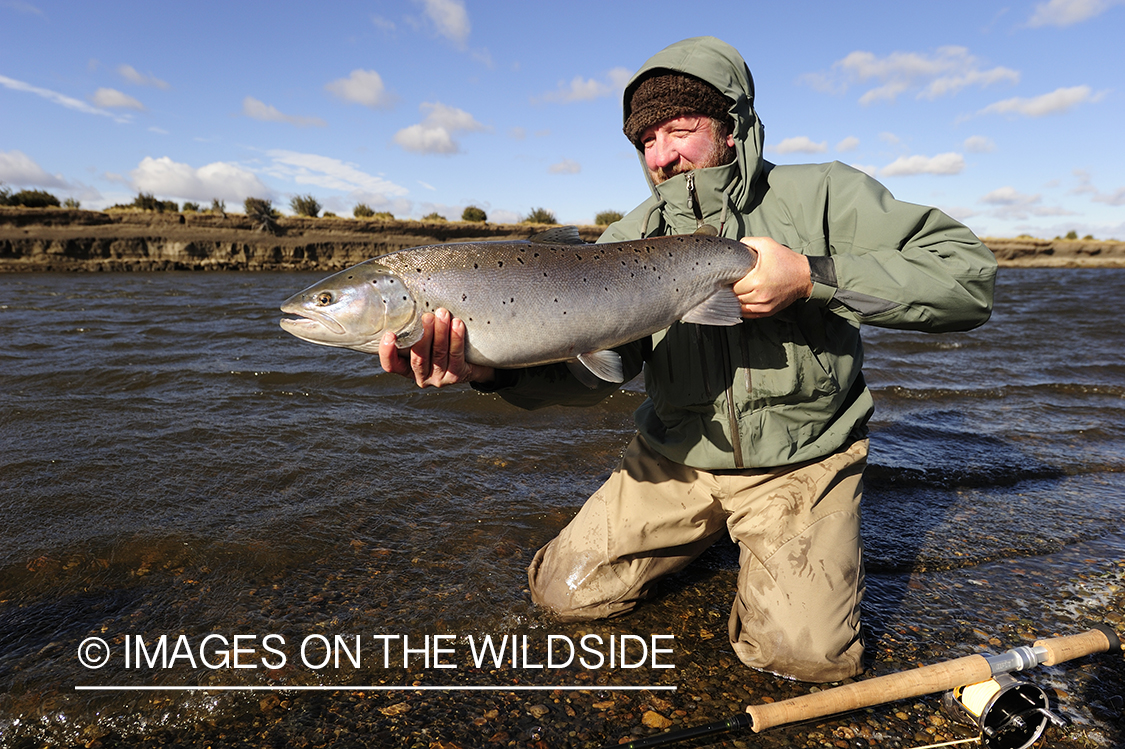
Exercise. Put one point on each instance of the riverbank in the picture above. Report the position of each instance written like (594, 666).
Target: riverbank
(36, 240)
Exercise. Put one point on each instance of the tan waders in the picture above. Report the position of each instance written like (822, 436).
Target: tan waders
(796, 612)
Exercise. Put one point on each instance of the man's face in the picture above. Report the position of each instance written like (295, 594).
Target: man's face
(684, 143)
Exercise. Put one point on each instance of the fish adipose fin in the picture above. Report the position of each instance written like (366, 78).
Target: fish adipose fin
(592, 368)
(721, 308)
(558, 235)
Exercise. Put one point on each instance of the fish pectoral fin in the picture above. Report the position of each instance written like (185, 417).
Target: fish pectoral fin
(597, 365)
(721, 308)
(558, 235)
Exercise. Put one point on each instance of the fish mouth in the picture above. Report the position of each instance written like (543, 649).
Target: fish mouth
(307, 323)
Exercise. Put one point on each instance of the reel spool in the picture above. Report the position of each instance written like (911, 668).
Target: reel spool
(1010, 713)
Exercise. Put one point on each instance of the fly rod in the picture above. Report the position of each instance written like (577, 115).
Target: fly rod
(1012, 714)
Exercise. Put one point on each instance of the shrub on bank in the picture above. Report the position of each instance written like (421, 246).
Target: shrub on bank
(305, 205)
(472, 213)
(540, 216)
(28, 198)
(605, 218)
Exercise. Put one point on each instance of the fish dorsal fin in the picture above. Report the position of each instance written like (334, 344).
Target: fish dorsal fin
(558, 235)
(605, 365)
(721, 308)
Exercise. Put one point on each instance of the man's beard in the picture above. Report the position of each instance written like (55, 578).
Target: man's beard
(718, 155)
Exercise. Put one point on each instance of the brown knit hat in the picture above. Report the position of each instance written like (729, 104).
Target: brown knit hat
(666, 95)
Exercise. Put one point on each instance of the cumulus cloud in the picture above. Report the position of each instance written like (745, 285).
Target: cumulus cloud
(329, 173)
(1058, 101)
(848, 144)
(1086, 187)
(435, 133)
(942, 164)
(362, 87)
(17, 168)
(588, 89)
(800, 144)
(979, 144)
(111, 98)
(218, 180)
(941, 73)
(1068, 12)
(1010, 203)
(259, 110)
(57, 98)
(449, 18)
(129, 73)
(566, 166)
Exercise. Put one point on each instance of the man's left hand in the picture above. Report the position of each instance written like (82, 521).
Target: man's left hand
(779, 278)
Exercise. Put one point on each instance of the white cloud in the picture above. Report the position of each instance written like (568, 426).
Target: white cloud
(258, 110)
(111, 98)
(57, 98)
(450, 19)
(979, 144)
(1115, 199)
(800, 144)
(17, 168)
(435, 133)
(1009, 196)
(588, 89)
(129, 73)
(1056, 102)
(941, 73)
(362, 87)
(566, 166)
(1012, 204)
(1068, 12)
(218, 180)
(942, 164)
(329, 173)
(23, 7)
(383, 24)
(848, 144)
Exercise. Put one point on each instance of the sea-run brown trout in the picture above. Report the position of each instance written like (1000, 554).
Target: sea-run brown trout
(546, 299)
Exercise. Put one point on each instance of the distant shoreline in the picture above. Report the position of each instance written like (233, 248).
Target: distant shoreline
(51, 239)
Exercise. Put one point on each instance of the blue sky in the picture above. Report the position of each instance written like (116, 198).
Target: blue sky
(1006, 115)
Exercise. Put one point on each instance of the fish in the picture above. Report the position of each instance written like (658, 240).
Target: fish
(550, 298)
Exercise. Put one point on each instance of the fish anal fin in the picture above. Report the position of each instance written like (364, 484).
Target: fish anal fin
(602, 365)
(721, 308)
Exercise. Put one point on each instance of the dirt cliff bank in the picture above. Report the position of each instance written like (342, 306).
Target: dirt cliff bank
(76, 240)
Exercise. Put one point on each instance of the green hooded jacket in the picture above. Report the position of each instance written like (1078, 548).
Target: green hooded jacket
(788, 388)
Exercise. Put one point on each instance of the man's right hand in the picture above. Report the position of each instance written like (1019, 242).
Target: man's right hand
(438, 358)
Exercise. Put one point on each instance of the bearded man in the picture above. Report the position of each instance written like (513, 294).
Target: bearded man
(756, 432)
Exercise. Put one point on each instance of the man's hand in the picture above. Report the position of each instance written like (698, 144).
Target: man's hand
(779, 278)
(438, 358)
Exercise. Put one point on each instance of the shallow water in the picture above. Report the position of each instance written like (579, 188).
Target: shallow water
(174, 464)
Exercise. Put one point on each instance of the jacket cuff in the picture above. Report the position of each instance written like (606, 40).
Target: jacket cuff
(822, 273)
(502, 378)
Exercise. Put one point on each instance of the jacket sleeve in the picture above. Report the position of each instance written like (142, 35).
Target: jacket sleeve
(893, 264)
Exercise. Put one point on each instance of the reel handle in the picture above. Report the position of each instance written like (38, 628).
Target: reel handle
(938, 677)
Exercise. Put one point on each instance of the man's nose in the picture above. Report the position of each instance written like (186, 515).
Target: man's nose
(663, 152)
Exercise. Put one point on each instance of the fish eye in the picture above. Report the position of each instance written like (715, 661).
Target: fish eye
(323, 299)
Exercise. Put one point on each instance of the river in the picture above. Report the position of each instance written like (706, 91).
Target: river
(224, 511)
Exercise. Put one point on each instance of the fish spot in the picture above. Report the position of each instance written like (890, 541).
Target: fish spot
(464, 297)
(499, 263)
(475, 266)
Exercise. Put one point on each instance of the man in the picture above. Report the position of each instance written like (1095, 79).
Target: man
(758, 431)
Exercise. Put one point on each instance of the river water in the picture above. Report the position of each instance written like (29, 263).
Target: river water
(224, 511)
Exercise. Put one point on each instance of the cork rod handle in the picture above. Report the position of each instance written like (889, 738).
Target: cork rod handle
(939, 677)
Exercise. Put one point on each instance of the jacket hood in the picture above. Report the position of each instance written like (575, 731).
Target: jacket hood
(720, 65)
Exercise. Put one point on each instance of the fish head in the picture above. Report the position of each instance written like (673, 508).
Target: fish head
(351, 309)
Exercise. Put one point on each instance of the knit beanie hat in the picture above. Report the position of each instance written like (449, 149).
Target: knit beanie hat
(663, 96)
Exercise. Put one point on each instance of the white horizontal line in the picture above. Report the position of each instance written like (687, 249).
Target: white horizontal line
(343, 688)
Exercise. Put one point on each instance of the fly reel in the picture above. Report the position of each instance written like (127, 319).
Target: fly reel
(1010, 713)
